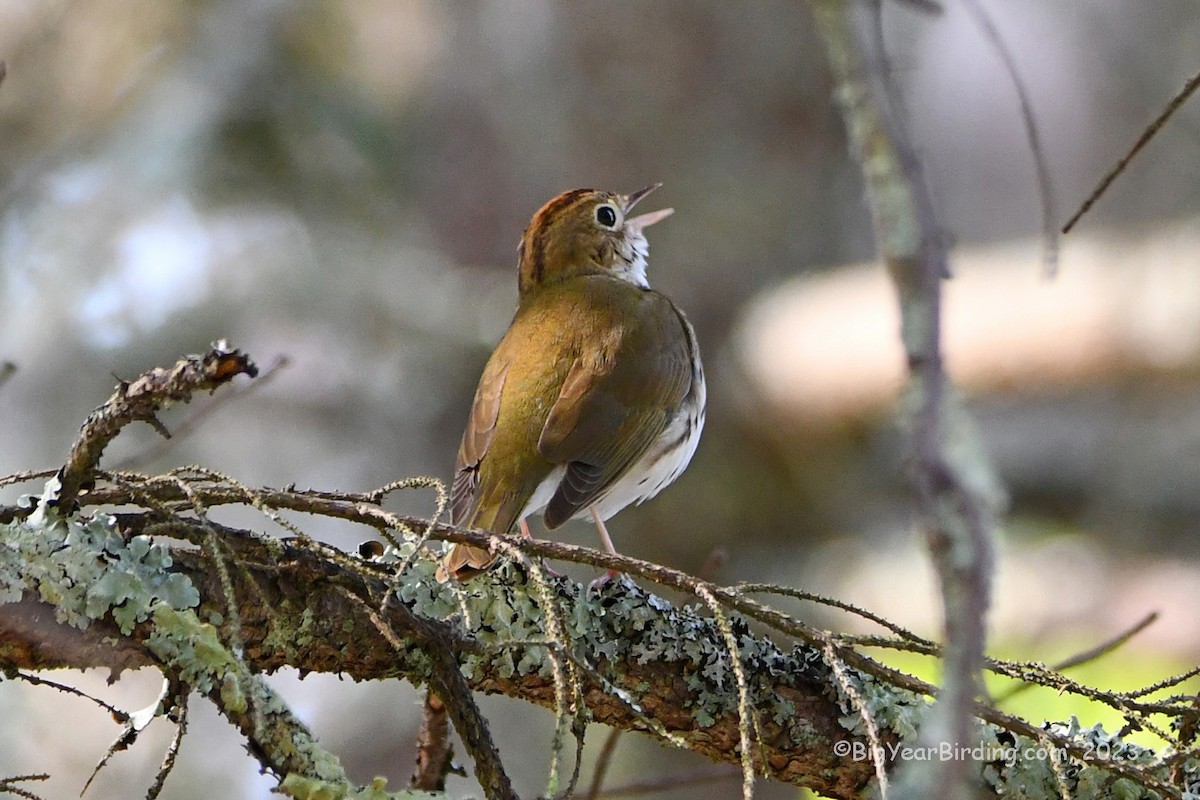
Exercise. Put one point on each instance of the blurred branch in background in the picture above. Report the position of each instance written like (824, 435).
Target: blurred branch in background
(1148, 133)
(957, 494)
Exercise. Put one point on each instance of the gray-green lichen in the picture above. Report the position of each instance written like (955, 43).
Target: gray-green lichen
(1009, 765)
(623, 622)
(86, 570)
(617, 623)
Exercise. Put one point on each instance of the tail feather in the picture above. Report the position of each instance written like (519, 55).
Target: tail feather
(464, 561)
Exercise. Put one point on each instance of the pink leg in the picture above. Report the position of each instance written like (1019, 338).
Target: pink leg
(604, 537)
(608, 546)
(525, 533)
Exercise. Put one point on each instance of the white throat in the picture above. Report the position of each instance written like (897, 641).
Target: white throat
(631, 259)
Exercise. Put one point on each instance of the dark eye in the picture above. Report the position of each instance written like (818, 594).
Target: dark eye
(606, 215)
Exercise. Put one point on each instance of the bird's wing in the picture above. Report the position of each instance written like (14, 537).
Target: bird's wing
(616, 400)
(481, 425)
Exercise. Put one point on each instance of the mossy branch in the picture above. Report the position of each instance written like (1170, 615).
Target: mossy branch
(801, 704)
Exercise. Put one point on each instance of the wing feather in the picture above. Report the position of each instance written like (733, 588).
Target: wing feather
(618, 397)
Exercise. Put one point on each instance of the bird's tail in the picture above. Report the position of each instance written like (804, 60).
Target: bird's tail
(464, 561)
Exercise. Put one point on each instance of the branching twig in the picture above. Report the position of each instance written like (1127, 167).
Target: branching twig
(9, 785)
(189, 425)
(141, 400)
(1091, 654)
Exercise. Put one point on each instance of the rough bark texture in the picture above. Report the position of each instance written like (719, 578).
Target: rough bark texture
(297, 608)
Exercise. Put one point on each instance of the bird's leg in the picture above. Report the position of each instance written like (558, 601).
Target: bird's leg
(608, 547)
(525, 534)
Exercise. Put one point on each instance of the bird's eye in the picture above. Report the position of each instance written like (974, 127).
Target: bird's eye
(606, 216)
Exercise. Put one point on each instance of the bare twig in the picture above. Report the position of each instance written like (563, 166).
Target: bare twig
(179, 713)
(1045, 186)
(1092, 653)
(9, 785)
(142, 399)
(602, 762)
(1153, 128)
(841, 605)
(117, 714)
(189, 425)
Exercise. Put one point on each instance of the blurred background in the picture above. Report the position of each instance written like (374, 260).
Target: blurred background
(343, 184)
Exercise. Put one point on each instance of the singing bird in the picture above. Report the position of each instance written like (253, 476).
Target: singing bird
(594, 399)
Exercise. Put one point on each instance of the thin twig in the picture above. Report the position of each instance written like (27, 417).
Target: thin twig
(141, 400)
(1091, 654)
(1034, 139)
(188, 426)
(9, 785)
(117, 714)
(1153, 128)
(180, 714)
(800, 594)
(602, 762)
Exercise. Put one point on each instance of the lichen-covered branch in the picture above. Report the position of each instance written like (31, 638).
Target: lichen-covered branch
(646, 665)
(660, 663)
(790, 702)
(956, 492)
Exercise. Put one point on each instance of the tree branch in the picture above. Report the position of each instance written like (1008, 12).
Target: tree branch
(660, 663)
(105, 590)
(141, 400)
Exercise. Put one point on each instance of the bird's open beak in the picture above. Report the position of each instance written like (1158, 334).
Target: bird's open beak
(648, 219)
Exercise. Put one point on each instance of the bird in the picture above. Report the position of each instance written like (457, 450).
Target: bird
(595, 396)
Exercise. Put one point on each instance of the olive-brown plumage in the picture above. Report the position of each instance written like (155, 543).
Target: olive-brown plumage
(595, 396)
